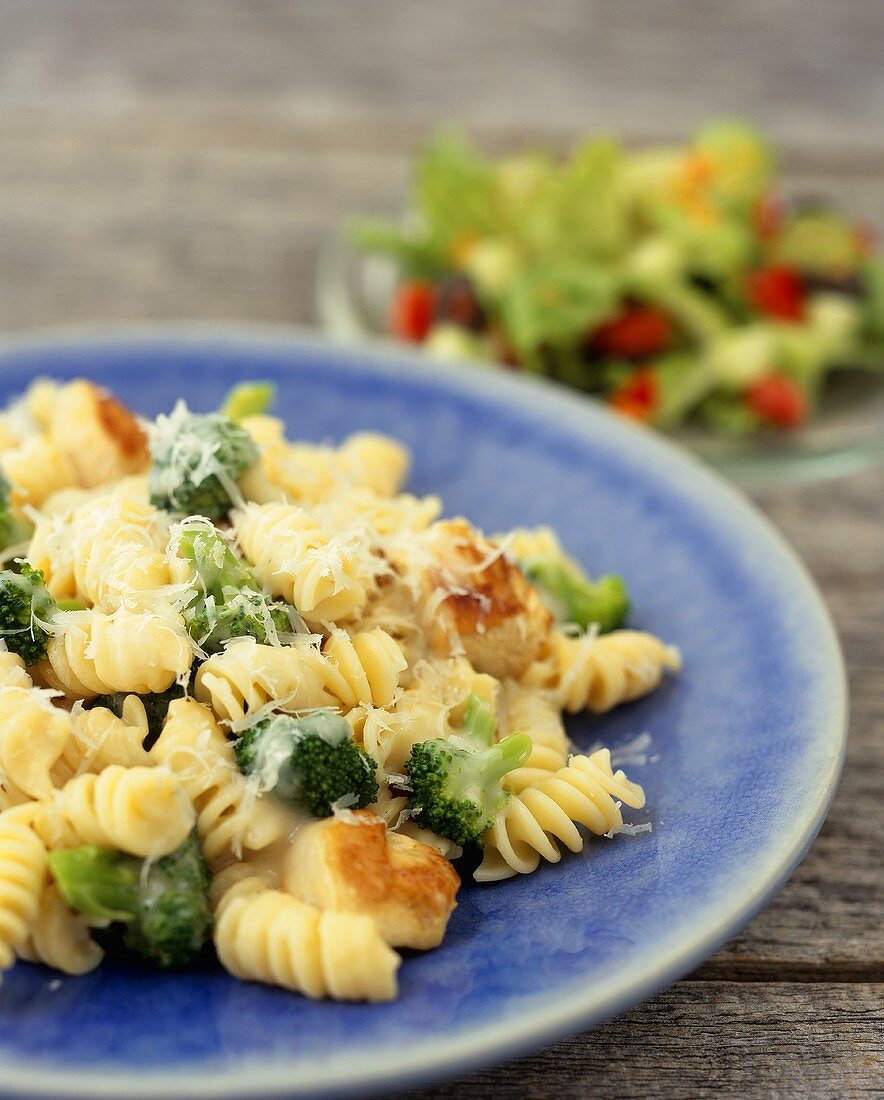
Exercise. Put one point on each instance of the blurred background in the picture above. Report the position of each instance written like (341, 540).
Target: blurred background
(163, 160)
(169, 160)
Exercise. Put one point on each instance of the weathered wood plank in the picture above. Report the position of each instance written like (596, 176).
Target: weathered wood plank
(707, 1039)
(138, 219)
(809, 68)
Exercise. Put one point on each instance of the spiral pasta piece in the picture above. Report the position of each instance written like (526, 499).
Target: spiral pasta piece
(98, 739)
(12, 671)
(143, 811)
(23, 869)
(97, 653)
(598, 673)
(33, 735)
(60, 937)
(269, 936)
(230, 816)
(326, 579)
(585, 792)
(36, 469)
(118, 551)
(247, 677)
(524, 710)
(374, 461)
(364, 668)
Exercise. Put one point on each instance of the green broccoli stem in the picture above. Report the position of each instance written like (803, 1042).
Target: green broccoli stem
(71, 605)
(97, 882)
(604, 602)
(478, 720)
(248, 399)
(507, 755)
(164, 903)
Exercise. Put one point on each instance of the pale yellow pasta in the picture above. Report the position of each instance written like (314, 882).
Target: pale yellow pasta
(33, 735)
(39, 401)
(23, 869)
(526, 710)
(306, 473)
(381, 517)
(326, 579)
(246, 678)
(586, 792)
(142, 811)
(598, 673)
(36, 469)
(97, 653)
(231, 818)
(118, 551)
(524, 543)
(364, 668)
(12, 671)
(374, 461)
(61, 938)
(269, 936)
(98, 739)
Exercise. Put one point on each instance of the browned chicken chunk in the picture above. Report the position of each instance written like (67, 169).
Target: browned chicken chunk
(354, 864)
(98, 434)
(490, 609)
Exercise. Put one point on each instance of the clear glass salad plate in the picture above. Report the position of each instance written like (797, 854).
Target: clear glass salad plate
(745, 745)
(354, 290)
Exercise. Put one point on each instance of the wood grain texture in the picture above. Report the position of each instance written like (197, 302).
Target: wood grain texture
(165, 161)
(712, 1039)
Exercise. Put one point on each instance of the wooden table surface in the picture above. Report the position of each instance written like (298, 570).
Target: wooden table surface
(164, 161)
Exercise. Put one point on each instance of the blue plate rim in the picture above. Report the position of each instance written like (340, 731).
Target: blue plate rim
(548, 1021)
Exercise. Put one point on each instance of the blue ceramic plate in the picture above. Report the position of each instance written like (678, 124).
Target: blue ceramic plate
(746, 751)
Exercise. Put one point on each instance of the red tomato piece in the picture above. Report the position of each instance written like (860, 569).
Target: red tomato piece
(776, 291)
(411, 311)
(637, 332)
(639, 395)
(778, 400)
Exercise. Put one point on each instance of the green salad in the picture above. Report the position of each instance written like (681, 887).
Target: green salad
(674, 283)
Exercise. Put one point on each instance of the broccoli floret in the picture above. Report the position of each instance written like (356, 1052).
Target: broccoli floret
(25, 604)
(12, 529)
(576, 599)
(311, 762)
(164, 905)
(456, 791)
(156, 707)
(230, 602)
(197, 460)
(248, 399)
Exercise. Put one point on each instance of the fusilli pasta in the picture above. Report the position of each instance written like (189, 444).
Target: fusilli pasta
(33, 735)
(325, 578)
(23, 866)
(535, 821)
(60, 937)
(598, 673)
(269, 936)
(230, 816)
(97, 653)
(143, 811)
